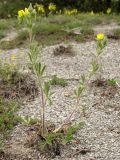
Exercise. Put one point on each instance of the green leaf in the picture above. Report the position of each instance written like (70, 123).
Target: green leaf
(112, 82)
(39, 68)
(75, 92)
(42, 144)
(70, 132)
(30, 8)
(58, 81)
(83, 78)
(79, 91)
(95, 66)
(43, 69)
(46, 89)
(50, 101)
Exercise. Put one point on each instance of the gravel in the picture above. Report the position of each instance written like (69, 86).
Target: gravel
(101, 132)
(106, 29)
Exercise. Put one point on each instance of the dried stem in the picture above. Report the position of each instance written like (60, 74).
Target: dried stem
(69, 117)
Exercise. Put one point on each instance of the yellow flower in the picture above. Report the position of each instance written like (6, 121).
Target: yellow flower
(40, 8)
(21, 13)
(52, 7)
(67, 12)
(100, 36)
(74, 11)
(26, 12)
(13, 57)
(92, 13)
(109, 10)
(71, 12)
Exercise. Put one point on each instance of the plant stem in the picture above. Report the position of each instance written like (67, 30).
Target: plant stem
(43, 111)
(30, 35)
(43, 102)
(40, 86)
(68, 118)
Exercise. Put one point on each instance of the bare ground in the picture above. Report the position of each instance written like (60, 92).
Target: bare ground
(100, 137)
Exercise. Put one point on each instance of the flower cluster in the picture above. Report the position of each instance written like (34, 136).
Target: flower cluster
(40, 8)
(22, 13)
(92, 13)
(27, 16)
(109, 10)
(101, 42)
(52, 7)
(71, 12)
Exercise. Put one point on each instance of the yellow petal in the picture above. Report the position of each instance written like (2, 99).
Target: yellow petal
(100, 36)
(21, 13)
(13, 57)
(26, 11)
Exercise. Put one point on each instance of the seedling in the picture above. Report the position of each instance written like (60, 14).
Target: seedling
(28, 17)
(29, 121)
(112, 82)
(8, 119)
(58, 81)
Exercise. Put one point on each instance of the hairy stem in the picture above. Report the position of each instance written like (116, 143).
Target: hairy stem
(40, 87)
(43, 112)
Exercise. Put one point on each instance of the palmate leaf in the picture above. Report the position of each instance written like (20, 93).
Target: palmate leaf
(46, 89)
(30, 57)
(81, 87)
(42, 144)
(95, 66)
(39, 68)
(49, 139)
(101, 45)
(68, 137)
(47, 92)
(79, 90)
(83, 78)
(43, 69)
(58, 81)
(112, 82)
(34, 51)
